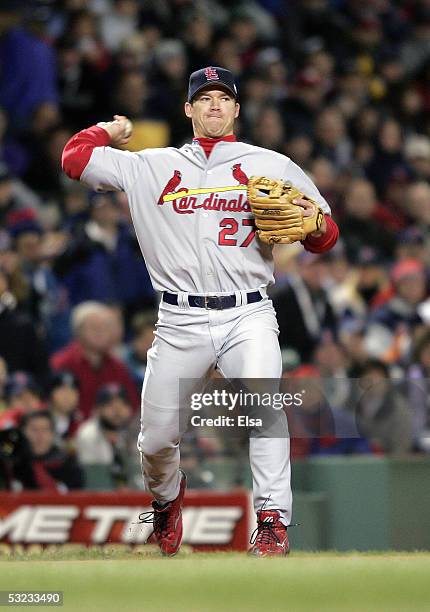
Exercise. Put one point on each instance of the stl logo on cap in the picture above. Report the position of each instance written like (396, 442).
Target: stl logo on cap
(211, 74)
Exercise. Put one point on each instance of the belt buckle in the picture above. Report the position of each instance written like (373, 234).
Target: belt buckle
(218, 302)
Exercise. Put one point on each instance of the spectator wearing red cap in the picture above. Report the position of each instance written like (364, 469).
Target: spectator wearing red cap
(388, 335)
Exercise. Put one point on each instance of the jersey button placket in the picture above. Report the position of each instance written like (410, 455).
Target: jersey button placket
(206, 232)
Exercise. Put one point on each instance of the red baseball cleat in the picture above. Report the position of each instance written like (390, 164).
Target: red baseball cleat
(270, 538)
(168, 522)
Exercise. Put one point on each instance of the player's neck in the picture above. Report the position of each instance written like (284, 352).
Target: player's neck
(208, 144)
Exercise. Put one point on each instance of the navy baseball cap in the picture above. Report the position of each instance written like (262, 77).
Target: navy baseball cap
(110, 391)
(212, 75)
(63, 378)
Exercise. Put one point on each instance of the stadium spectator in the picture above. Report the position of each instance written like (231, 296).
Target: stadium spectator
(43, 465)
(44, 173)
(388, 335)
(359, 226)
(20, 343)
(316, 426)
(303, 307)
(135, 355)
(361, 289)
(23, 397)
(417, 154)
(417, 205)
(382, 413)
(269, 129)
(45, 301)
(332, 141)
(387, 156)
(418, 392)
(78, 82)
(63, 404)
(17, 202)
(24, 84)
(89, 356)
(102, 261)
(132, 99)
(332, 363)
(104, 439)
(12, 154)
(303, 104)
(340, 88)
(120, 23)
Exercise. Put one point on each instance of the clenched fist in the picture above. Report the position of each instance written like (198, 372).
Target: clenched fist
(120, 129)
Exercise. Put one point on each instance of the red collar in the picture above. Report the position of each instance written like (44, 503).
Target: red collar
(208, 144)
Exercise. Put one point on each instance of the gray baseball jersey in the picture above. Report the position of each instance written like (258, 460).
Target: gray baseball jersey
(191, 214)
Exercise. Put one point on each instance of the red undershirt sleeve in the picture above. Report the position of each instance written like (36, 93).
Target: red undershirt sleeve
(326, 241)
(88, 158)
(78, 150)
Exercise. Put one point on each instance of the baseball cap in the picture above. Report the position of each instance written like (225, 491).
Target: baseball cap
(108, 392)
(62, 378)
(305, 370)
(406, 268)
(368, 256)
(212, 75)
(411, 236)
(20, 381)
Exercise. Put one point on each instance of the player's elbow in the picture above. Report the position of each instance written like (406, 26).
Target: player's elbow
(74, 160)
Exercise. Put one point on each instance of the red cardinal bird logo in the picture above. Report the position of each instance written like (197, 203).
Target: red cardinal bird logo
(171, 185)
(239, 174)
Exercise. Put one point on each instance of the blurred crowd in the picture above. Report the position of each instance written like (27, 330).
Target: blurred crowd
(342, 87)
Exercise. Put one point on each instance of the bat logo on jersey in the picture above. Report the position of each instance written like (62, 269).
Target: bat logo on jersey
(184, 200)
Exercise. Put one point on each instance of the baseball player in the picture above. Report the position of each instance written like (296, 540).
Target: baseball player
(197, 233)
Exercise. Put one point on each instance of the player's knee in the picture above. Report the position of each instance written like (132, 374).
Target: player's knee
(156, 446)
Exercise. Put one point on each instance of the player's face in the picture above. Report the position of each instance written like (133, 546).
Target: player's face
(212, 113)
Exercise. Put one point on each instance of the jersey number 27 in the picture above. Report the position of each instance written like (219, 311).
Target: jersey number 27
(230, 228)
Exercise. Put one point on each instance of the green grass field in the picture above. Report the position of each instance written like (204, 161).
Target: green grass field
(392, 582)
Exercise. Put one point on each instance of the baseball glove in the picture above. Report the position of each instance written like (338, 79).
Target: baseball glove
(278, 220)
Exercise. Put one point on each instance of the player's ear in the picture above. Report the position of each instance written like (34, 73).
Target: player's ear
(188, 110)
(236, 113)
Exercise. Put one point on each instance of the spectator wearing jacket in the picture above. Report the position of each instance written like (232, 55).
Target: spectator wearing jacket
(103, 260)
(89, 357)
(103, 439)
(388, 335)
(21, 345)
(63, 404)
